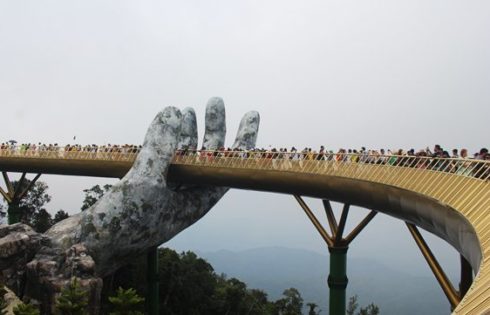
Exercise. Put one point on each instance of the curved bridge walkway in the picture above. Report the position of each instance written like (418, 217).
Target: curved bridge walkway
(448, 197)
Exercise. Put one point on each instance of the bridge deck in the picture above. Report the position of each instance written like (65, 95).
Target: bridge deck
(448, 197)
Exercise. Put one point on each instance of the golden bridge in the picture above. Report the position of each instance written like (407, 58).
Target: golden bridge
(447, 197)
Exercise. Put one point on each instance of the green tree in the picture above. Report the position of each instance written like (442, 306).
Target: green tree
(256, 303)
(126, 302)
(371, 309)
(41, 221)
(73, 300)
(312, 309)
(25, 309)
(352, 305)
(291, 303)
(92, 195)
(60, 216)
(235, 295)
(34, 201)
(187, 283)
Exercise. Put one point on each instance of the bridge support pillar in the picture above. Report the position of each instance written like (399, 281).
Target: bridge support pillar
(447, 287)
(337, 246)
(14, 214)
(14, 195)
(152, 296)
(337, 280)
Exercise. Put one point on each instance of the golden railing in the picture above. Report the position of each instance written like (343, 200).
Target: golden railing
(461, 184)
(368, 167)
(339, 164)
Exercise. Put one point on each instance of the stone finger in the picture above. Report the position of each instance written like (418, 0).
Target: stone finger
(188, 132)
(215, 130)
(160, 143)
(247, 132)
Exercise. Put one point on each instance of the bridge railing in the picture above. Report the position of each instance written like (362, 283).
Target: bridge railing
(340, 164)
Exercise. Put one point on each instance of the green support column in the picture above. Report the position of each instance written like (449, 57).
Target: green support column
(337, 246)
(337, 280)
(13, 213)
(152, 296)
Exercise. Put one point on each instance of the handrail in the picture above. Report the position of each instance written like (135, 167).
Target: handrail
(475, 168)
(479, 169)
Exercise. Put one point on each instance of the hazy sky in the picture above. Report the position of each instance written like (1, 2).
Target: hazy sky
(391, 74)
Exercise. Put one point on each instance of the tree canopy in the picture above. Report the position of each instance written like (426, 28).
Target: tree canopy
(189, 285)
(31, 209)
(353, 305)
(92, 195)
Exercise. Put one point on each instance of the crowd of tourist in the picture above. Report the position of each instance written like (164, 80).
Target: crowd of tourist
(437, 158)
(352, 155)
(55, 150)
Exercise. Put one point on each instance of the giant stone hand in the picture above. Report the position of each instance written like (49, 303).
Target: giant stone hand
(141, 211)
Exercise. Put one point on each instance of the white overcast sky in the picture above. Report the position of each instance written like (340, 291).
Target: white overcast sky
(391, 74)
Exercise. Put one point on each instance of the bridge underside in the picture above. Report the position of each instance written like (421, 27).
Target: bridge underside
(408, 206)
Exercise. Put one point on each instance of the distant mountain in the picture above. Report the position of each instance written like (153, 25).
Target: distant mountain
(274, 269)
